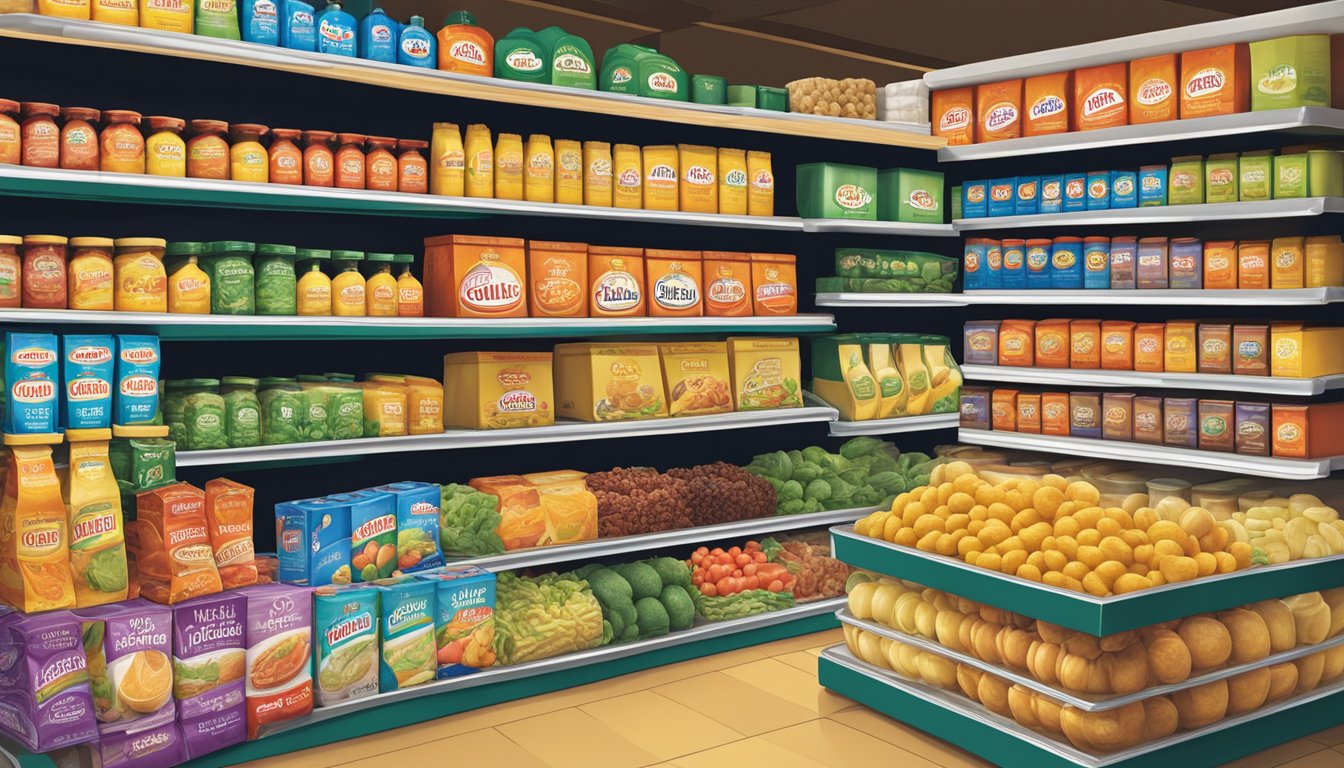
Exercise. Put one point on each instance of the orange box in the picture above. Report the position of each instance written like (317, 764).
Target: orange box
(1307, 431)
(1055, 413)
(1045, 100)
(774, 284)
(727, 284)
(557, 276)
(1085, 344)
(953, 114)
(1017, 343)
(470, 276)
(1149, 347)
(999, 107)
(1052, 343)
(1099, 96)
(1153, 84)
(1215, 81)
(172, 545)
(1117, 345)
(674, 283)
(616, 279)
(1253, 264)
(1003, 410)
(1220, 264)
(1180, 348)
(1029, 413)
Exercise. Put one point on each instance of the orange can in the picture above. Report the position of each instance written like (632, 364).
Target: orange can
(1045, 99)
(675, 283)
(1152, 89)
(617, 281)
(999, 107)
(774, 283)
(1215, 81)
(727, 284)
(1100, 96)
(557, 275)
(953, 113)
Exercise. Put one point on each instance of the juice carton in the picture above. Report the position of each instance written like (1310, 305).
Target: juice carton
(1066, 263)
(136, 399)
(279, 637)
(1075, 192)
(209, 660)
(1220, 178)
(953, 113)
(1124, 189)
(172, 545)
(1255, 175)
(1026, 195)
(1052, 194)
(1186, 181)
(1100, 96)
(89, 367)
(417, 525)
(1046, 101)
(228, 510)
(1214, 81)
(999, 107)
(32, 373)
(128, 647)
(1001, 194)
(45, 680)
(34, 534)
(345, 628)
(1152, 185)
(464, 619)
(975, 199)
(1153, 84)
(313, 542)
(1098, 190)
(373, 533)
(408, 655)
(1290, 72)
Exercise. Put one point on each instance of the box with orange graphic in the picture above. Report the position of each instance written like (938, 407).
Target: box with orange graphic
(999, 108)
(1045, 100)
(1100, 97)
(469, 276)
(953, 113)
(172, 545)
(1153, 84)
(1214, 81)
(774, 281)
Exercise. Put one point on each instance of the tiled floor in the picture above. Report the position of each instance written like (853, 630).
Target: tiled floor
(755, 706)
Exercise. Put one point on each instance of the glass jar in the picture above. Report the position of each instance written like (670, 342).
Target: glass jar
(318, 160)
(247, 157)
(141, 281)
(203, 417)
(350, 161)
(232, 277)
(175, 392)
(41, 139)
(410, 293)
(286, 159)
(11, 270)
(277, 286)
(280, 411)
(90, 273)
(412, 168)
(43, 272)
(121, 148)
(242, 410)
(314, 287)
(165, 151)
(347, 285)
(208, 150)
(380, 287)
(188, 284)
(11, 146)
(79, 139)
(381, 165)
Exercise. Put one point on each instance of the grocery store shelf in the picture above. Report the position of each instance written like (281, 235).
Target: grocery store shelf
(895, 426)
(1078, 610)
(1213, 382)
(1284, 297)
(895, 300)
(951, 716)
(1085, 701)
(98, 35)
(166, 190)
(591, 550)
(1163, 214)
(1306, 121)
(1318, 19)
(1264, 466)
(561, 431)
(173, 327)
(879, 227)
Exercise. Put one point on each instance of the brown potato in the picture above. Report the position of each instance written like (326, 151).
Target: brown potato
(1209, 641)
(993, 694)
(968, 679)
(1309, 671)
(1115, 729)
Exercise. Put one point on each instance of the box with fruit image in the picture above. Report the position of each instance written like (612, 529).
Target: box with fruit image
(209, 660)
(464, 619)
(279, 638)
(406, 626)
(129, 647)
(417, 507)
(373, 533)
(345, 625)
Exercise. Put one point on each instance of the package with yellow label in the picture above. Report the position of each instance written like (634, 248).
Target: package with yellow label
(522, 520)
(841, 377)
(699, 189)
(944, 375)
(1303, 352)
(567, 506)
(34, 536)
(498, 390)
(766, 373)
(609, 382)
(97, 540)
(696, 375)
(424, 401)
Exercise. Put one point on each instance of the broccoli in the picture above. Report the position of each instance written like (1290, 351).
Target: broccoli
(609, 587)
(613, 620)
(789, 491)
(653, 619)
(644, 580)
(680, 608)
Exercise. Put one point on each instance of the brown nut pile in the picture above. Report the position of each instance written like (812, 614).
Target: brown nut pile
(642, 500)
(852, 97)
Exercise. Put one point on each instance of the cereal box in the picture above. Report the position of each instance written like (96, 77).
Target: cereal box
(408, 655)
(279, 683)
(1255, 171)
(313, 542)
(1153, 83)
(129, 647)
(727, 284)
(136, 399)
(975, 199)
(696, 376)
(1100, 96)
(1214, 81)
(1186, 181)
(609, 382)
(661, 174)
(373, 533)
(1290, 72)
(44, 681)
(32, 373)
(345, 625)
(558, 278)
(674, 280)
(766, 373)
(999, 107)
(1307, 431)
(1075, 192)
(1002, 196)
(1152, 185)
(617, 282)
(699, 188)
(89, 368)
(172, 551)
(1098, 190)
(1052, 194)
(1046, 102)
(1220, 264)
(498, 390)
(1026, 195)
(417, 507)
(34, 534)
(774, 280)
(1291, 175)
(228, 512)
(469, 276)
(953, 113)
(464, 619)
(209, 660)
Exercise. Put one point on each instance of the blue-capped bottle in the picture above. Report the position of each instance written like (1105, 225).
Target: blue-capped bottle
(298, 25)
(378, 37)
(336, 32)
(261, 22)
(418, 48)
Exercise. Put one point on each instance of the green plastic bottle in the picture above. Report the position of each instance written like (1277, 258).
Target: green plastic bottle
(570, 57)
(629, 68)
(521, 55)
(217, 18)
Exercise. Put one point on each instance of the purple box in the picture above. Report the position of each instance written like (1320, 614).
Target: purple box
(1185, 263)
(981, 342)
(975, 408)
(159, 747)
(129, 648)
(279, 639)
(1252, 425)
(43, 653)
(209, 661)
(1150, 269)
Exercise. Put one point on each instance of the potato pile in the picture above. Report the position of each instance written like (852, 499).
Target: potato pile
(1052, 531)
(1298, 527)
(851, 97)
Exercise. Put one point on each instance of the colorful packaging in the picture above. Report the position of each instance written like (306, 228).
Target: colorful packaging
(1215, 348)
(172, 545)
(1220, 264)
(228, 513)
(136, 400)
(953, 113)
(1055, 413)
(313, 542)
(34, 534)
(1250, 344)
(89, 367)
(774, 280)
(975, 408)
(761, 192)
(1124, 189)
(733, 182)
(97, 539)
(980, 340)
(696, 377)
(373, 533)
(1152, 185)
(1180, 427)
(1186, 182)
(1026, 196)
(1066, 263)
(1052, 343)
(1001, 192)
(345, 625)
(1003, 410)
(1153, 84)
(1013, 275)
(728, 290)
(32, 373)
(1291, 175)
(498, 390)
(1097, 262)
(1148, 420)
(1151, 265)
(408, 655)
(1180, 348)
(628, 172)
(1029, 413)
(766, 373)
(1325, 261)
(417, 507)
(558, 277)
(1149, 347)
(836, 191)
(279, 640)
(1123, 252)
(1252, 424)
(993, 264)
(1100, 96)
(699, 188)
(1185, 266)
(128, 647)
(1117, 345)
(908, 194)
(1052, 194)
(158, 747)
(1075, 192)
(617, 276)
(1253, 264)
(609, 382)
(999, 107)
(1290, 72)
(1220, 178)
(1098, 190)
(209, 661)
(1286, 269)
(975, 199)
(1085, 417)
(44, 683)
(974, 267)
(673, 283)
(1307, 431)
(1255, 171)
(1214, 81)
(469, 276)
(1038, 263)
(1046, 102)
(1117, 416)
(464, 619)
(1017, 343)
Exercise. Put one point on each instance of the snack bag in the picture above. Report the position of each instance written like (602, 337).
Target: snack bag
(128, 646)
(522, 519)
(279, 636)
(345, 624)
(97, 539)
(209, 659)
(409, 656)
(89, 367)
(172, 545)
(32, 370)
(45, 681)
(228, 512)
(34, 536)
(158, 747)
(464, 619)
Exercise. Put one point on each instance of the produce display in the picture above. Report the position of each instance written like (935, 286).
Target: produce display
(800, 565)
(638, 500)
(643, 599)
(851, 97)
(867, 270)
(885, 375)
(866, 471)
(860, 193)
(544, 616)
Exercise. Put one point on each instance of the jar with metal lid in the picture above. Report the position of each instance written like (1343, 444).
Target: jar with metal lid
(350, 161)
(314, 287)
(318, 160)
(412, 168)
(44, 281)
(188, 284)
(40, 137)
(11, 269)
(208, 150)
(232, 277)
(165, 151)
(380, 165)
(347, 285)
(122, 147)
(281, 407)
(286, 159)
(380, 287)
(79, 139)
(410, 292)
(90, 272)
(242, 410)
(11, 146)
(276, 283)
(247, 157)
(203, 425)
(141, 281)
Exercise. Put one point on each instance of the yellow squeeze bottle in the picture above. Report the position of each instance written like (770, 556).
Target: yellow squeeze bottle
(314, 287)
(380, 291)
(480, 170)
(568, 172)
(347, 287)
(121, 12)
(168, 15)
(509, 167)
(447, 161)
(539, 170)
(597, 173)
(188, 284)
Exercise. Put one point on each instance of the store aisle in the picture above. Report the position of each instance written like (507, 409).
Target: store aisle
(755, 706)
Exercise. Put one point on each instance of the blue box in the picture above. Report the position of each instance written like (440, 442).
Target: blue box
(135, 399)
(1038, 264)
(417, 525)
(1097, 263)
(406, 613)
(1014, 272)
(464, 616)
(89, 370)
(33, 381)
(1124, 189)
(1001, 197)
(314, 543)
(1066, 263)
(1152, 185)
(1052, 194)
(974, 264)
(994, 262)
(373, 529)
(1075, 192)
(1098, 190)
(1027, 197)
(975, 199)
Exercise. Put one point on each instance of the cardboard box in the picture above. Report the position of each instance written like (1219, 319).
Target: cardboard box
(1100, 96)
(498, 390)
(1214, 81)
(1046, 100)
(557, 278)
(609, 382)
(953, 113)
(470, 276)
(1153, 86)
(999, 108)
(766, 373)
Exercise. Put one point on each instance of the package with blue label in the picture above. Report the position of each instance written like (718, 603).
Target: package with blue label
(975, 265)
(1097, 262)
(136, 399)
(373, 533)
(1038, 262)
(1001, 197)
(1075, 192)
(32, 376)
(314, 542)
(1098, 190)
(975, 199)
(1013, 275)
(408, 655)
(1152, 185)
(1124, 189)
(1052, 194)
(1027, 197)
(417, 525)
(345, 628)
(89, 363)
(464, 621)
(1066, 263)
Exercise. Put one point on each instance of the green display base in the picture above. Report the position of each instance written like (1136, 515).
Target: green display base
(1085, 613)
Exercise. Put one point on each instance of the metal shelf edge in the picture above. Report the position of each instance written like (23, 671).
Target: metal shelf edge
(1288, 207)
(1205, 381)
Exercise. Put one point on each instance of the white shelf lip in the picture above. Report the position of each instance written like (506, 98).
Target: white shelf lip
(1321, 18)
(1321, 121)
(700, 631)
(879, 227)
(561, 431)
(854, 299)
(1163, 214)
(565, 553)
(1284, 297)
(1290, 469)
(895, 426)
(1267, 385)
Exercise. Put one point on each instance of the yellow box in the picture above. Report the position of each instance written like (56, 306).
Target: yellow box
(696, 377)
(1300, 352)
(498, 390)
(1325, 261)
(1286, 268)
(609, 382)
(558, 478)
(1181, 350)
(766, 373)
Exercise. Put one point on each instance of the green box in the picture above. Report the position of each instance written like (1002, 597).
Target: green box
(1256, 172)
(1221, 177)
(956, 202)
(773, 99)
(1290, 176)
(1290, 72)
(1325, 173)
(709, 89)
(1185, 183)
(910, 195)
(742, 95)
(836, 191)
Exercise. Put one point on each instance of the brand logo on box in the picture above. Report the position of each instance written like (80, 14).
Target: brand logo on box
(954, 119)
(1153, 91)
(1001, 115)
(923, 200)
(852, 196)
(1205, 82)
(1102, 100)
(1047, 106)
(34, 356)
(523, 60)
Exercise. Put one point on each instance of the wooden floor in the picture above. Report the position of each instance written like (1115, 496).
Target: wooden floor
(757, 706)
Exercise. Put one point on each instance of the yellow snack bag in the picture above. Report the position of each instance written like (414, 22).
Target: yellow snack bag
(384, 409)
(660, 178)
(629, 175)
(97, 541)
(480, 157)
(34, 537)
(761, 192)
(509, 167)
(568, 172)
(699, 192)
(733, 182)
(597, 173)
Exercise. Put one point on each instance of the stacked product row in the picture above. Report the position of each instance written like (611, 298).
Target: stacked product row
(860, 193)
(885, 375)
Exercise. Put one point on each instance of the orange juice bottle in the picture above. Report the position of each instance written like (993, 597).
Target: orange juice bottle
(480, 157)
(539, 170)
(380, 289)
(465, 47)
(509, 167)
(347, 287)
(447, 161)
(410, 293)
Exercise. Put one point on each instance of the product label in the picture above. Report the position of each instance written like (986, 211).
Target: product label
(1205, 82)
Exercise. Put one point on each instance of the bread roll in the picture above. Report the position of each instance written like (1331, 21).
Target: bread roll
(1074, 672)
(1021, 702)
(1168, 656)
(1333, 668)
(1250, 636)
(1209, 642)
(1127, 670)
(1311, 617)
(1118, 641)
(1042, 659)
(936, 670)
(1279, 621)
(1114, 729)
(964, 638)
(1048, 713)
(1282, 681)
(1013, 646)
(1160, 718)
(1335, 599)
(1247, 691)
(947, 626)
(968, 680)
(882, 604)
(1201, 705)
(1083, 645)
(861, 599)
(994, 695)
(983, 637)
(1053, 633)
(1309, 671)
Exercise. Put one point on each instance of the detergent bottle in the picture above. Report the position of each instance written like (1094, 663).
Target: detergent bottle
(570, 58)
(466, 47)
(418, 48)
(261, 22)
(378, 37)
(298, 25)
(520, 56)
(336, 31)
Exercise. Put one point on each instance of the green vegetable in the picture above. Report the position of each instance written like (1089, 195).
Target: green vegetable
(543, 616)
(771, 547)
(791, 507)
(806, 473)
(679, 606)
(345, 413)
(887, 482)
(468, 520)
(747, 603)
(861, 446)
(818, 489)
(644, 580)
(276, 282)
(653, 618)
(281, 413)
(815, 455)
(789, 491)
(672, 571)
(242, 412)
(107, 570)
(232, 280)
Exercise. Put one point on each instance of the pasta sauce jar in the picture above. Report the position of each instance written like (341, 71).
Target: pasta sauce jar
(380, 165)
(165, 151)
(11, 148)
(79, 139)
(141, 282)
(122, 148)
(44, 272)
(412, 169)
(90, 273)
(247, 157)
(285, 156)
(318, 159)
(350, 161)
(41, 138)
(208, 150)
(10, 269)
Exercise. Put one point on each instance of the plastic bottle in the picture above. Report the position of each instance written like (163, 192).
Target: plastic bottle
(168, 15)
(336, 31)
(208, 150)
(410, 293)
(568, 172)
(41, 139)
(217, 18)
(380, 165)
(121, 148)
(123, 12)
(165, 151)
(569, 59)
(378, 37)
(539, 170)
(412, 170)
(480, 167)
(347, 287)
(298, 25)
(247, 157)
(11, 272)
(465, 47)
(380, 289)
(519, 56)
(11, 148)
(350, 160)
(79, 139)
(509, 167)
(447, 162)
(90, 273)
(319, 162)
(417, 47)
(314, 287)
(188, 284)
(286, 159)
(261, 22)
(597, 173)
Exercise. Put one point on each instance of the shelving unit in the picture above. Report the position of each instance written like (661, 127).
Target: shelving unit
(895, 426)
(1284, 297)
(1162, 214)
(879, 228)
(1214, 382)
